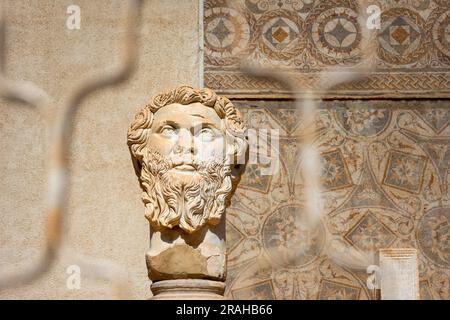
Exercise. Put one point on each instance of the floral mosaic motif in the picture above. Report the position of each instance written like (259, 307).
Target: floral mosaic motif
(288, 239)
(440, 282)
(305, 37)
(253, 179)
(433, 236)
(443, 3)
(369, 234)
(363, 121)
(288, 119)
(437, 118)
(290, 155)
(260, 291)
(405, 171)
(331, 290)
(335, 174)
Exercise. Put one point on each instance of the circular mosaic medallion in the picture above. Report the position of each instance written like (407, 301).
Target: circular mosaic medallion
(441, 36)
(336, 35)
(227, 35)
(279, 32)
(402, 38)
(363, 121)
(288, 238)
(433, 236)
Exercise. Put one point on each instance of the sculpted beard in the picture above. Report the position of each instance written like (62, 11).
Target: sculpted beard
(186, 200)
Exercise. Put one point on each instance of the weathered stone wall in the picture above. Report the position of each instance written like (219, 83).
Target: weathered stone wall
(106, 218)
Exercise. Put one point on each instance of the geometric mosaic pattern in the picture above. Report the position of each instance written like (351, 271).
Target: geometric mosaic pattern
(386, 176)
(412, 55)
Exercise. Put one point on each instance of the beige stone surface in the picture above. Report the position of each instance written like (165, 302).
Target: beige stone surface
(105, 211)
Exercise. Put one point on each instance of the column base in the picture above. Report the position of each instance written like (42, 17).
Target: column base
(188, 289)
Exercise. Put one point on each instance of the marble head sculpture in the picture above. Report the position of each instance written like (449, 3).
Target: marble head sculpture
(187, 147)
(185, 144)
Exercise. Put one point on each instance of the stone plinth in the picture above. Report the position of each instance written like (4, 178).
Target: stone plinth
(177, 255)
(188, 289)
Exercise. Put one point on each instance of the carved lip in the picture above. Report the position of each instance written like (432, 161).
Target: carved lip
(185, 167)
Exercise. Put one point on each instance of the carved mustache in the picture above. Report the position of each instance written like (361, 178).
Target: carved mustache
(159, 164)
(182, 162)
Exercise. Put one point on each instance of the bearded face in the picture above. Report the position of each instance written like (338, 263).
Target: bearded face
(183, 172)
(185, 200)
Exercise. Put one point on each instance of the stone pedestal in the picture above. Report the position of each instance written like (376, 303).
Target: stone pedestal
(179, 255)
(188, 289)
(399, 274)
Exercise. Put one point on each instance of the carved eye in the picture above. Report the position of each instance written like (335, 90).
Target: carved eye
(206, 134)
(168, 131)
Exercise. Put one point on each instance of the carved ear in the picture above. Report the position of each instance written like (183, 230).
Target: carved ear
(241, 149)
(237, 156)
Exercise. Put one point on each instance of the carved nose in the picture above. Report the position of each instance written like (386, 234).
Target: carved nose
(185, 143)
(183, 150)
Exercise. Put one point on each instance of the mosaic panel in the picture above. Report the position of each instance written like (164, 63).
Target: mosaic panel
(369, 234)
(261, 291)
(386, 185)
(405, 171)
(335, 174)
(330, 290)
(307, 37)
(287, 239)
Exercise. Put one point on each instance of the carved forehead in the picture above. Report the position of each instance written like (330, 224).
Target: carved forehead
(188, 114)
